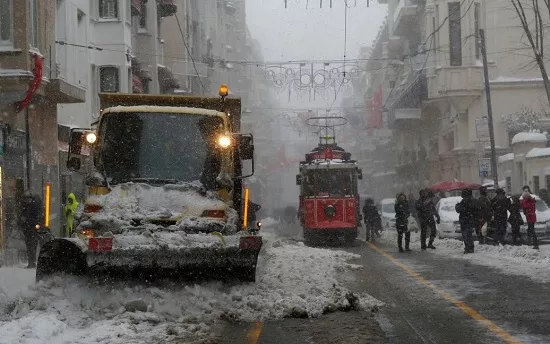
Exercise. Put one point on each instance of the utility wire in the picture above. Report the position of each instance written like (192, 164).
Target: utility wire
(345, 48)
(189, 53)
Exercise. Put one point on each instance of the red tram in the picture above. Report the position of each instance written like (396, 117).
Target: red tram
(329, 201)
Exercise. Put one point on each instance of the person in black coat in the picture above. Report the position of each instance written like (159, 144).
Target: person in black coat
(486, 213)
(500, 205)
(425, 210)
(402, 214)
(253, 208)
(372, 219)
(469, 212)
(515, 219)
(31, 215)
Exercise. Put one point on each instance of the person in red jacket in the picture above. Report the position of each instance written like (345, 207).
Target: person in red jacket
(529, 205)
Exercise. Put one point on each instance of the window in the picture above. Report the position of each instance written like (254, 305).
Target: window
(536, 185)
(130, 81)
(109, 79)
(133, 149)
(477, 11)
(509, 185)
(5, 23)
(143, 17)
(108, 9)
(34, 24)
(547, 177)
(455, 34)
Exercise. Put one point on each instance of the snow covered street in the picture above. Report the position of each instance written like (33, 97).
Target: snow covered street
(513, 260)
(293, 281)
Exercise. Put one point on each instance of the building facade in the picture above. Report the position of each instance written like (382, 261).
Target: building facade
(437, 93)
(30, 90)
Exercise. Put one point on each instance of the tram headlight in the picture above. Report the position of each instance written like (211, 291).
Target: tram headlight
(330, 211)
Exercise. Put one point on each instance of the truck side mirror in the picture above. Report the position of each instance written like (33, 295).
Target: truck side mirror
(73, 164)
(360, 174)
(298, 179)
(246, 147)
(76, 141)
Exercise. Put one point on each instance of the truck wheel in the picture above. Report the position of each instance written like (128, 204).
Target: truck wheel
(60, 256)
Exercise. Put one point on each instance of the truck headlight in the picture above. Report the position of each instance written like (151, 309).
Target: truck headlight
(224, 141)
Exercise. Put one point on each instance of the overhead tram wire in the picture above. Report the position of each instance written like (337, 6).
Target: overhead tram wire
(345, 51)
(189, 53)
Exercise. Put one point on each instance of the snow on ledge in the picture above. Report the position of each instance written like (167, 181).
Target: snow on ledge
(529, 137)
(538, 153)
(506, 157)
(503, 79)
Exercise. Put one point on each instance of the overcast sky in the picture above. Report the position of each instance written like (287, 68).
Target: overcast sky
(296, 33)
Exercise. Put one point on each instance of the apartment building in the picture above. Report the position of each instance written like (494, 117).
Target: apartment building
(30, 90)
(438, 92)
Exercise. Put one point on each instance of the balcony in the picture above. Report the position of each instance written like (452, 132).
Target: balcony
(404, 17)
(407, 104)
(460, 85)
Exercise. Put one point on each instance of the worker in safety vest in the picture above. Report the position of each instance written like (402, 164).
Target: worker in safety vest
(70, 210)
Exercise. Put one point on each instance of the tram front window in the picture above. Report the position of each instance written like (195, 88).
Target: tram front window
(333, 183)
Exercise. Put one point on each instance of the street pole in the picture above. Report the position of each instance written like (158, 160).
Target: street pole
(489, 108)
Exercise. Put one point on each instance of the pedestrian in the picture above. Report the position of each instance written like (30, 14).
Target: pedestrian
(253, 208)
(499, 206)
(486, 214)
(70, 210)
(515, 219)
(373, 221)
(468, 209)
(529, 206)
(402, 214)
(427, 214)
(412, 208)
(31, 217)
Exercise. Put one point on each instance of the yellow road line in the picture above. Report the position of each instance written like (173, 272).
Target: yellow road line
(254, 333)
(491, 326)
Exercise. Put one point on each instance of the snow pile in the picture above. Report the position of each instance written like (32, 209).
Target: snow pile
(293, 281)
(538, 153)
(131, 204)
(514, 260)
(529, 137)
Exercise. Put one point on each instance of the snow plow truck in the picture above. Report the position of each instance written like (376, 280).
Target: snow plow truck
(165, 192)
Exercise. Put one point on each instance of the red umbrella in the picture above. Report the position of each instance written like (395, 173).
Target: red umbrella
(452, 185)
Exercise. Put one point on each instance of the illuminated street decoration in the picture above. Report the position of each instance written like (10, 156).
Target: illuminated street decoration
(313, 78)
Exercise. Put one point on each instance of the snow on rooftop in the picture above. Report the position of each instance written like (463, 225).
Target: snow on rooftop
(538, 153)
(167, 109)
(506, 157)
(529, 137)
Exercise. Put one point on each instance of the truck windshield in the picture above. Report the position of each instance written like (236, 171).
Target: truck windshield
(160, 147)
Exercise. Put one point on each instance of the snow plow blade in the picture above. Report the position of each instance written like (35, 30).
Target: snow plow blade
(69, 256)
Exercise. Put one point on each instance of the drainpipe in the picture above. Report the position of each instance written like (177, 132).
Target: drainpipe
(28, 148)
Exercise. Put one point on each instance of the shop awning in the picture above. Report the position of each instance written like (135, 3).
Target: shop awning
(166, 8)
(136, 7)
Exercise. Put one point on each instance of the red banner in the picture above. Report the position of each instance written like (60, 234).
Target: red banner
(374, 111)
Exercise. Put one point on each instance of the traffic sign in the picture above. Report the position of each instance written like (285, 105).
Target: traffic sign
(484, 167)
(482, 128)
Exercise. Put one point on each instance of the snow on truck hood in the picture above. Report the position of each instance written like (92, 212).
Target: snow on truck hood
(131, 204)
